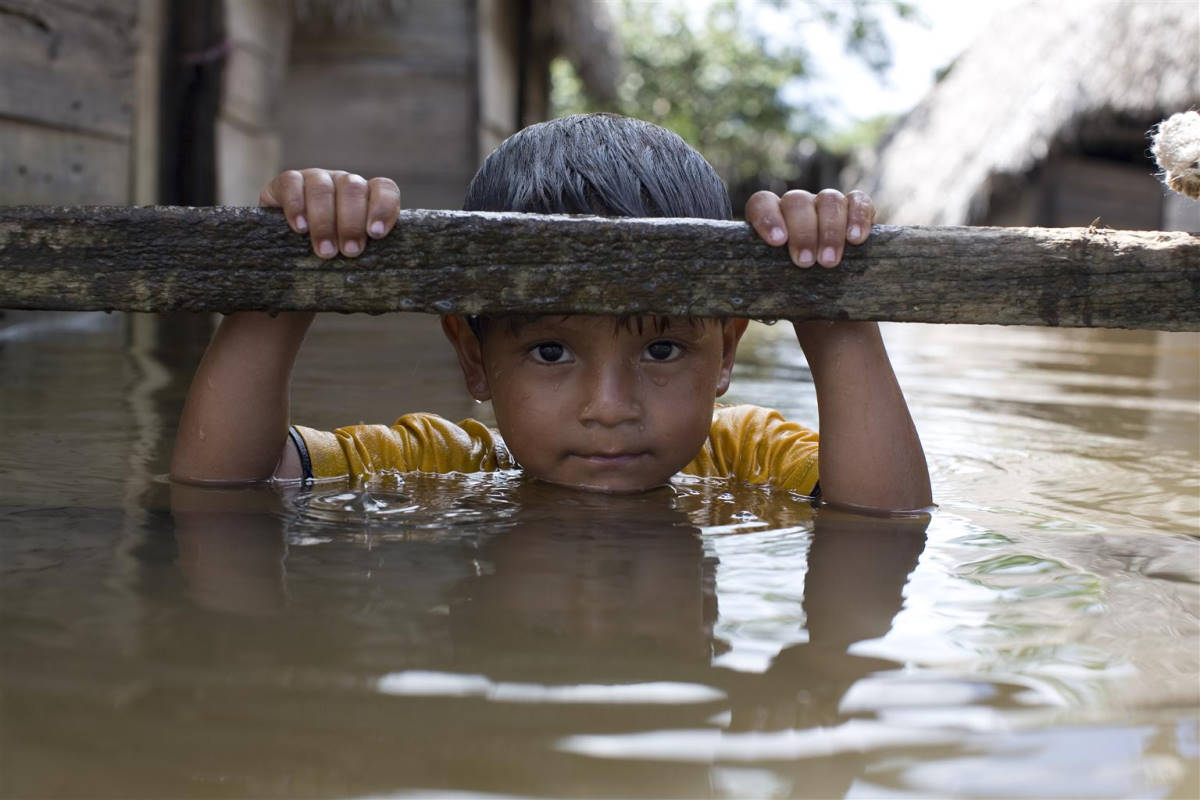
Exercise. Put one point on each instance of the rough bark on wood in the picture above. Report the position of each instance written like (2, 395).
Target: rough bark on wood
(227, 259)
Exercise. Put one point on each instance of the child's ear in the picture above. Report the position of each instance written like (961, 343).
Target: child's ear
(731, 334)
(470, 356)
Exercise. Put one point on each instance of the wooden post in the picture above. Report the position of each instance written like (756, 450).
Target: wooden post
(228, 259)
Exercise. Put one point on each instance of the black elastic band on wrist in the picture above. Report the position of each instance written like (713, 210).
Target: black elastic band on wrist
(302, 451)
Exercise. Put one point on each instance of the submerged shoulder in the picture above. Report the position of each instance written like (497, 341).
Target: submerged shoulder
(759, 445)
(750, 431)
(446, 446)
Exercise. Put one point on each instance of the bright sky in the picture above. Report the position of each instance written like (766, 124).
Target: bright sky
(919, 49)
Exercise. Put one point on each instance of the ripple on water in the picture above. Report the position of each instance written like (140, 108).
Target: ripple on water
(394, 503)
(407, 502)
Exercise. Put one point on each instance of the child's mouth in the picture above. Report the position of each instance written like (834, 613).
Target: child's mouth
(612, 459)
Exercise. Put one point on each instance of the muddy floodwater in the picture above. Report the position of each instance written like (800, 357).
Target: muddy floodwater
(487, 636)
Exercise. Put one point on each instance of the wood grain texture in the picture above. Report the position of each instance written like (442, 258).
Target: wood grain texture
(44, 165)
(69, 64)
(226, 259)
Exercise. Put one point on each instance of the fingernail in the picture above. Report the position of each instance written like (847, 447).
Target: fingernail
(301, 224)
(376, 228)
(351, 248)
(777, 236)
(854, 232)
(828, 257)
(326, 248)
(806, 258)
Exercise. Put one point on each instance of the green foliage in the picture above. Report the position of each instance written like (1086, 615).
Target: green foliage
(716, 79)
(859, 24)
(864, 133)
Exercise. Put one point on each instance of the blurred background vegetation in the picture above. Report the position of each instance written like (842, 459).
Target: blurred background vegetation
(726, 78)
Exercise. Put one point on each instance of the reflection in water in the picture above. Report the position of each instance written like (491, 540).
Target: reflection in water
(486, 634)
(562, 612)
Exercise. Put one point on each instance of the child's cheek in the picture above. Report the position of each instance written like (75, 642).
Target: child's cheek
(683, 400)
(535, 404)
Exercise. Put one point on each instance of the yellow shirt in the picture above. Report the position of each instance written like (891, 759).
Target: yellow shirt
(745, 443)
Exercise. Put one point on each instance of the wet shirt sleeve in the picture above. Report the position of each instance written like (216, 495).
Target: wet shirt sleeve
(757, 445)
(415, 442)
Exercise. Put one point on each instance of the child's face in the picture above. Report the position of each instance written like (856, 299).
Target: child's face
(588, 402)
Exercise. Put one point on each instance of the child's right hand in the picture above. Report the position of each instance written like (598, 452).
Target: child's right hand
(338, 210)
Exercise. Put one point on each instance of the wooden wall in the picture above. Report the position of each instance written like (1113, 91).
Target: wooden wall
(420, 96)
(249, 145)
(1080, 189)
(498, 72)
(396, 98)
(1069, 190)
(67, 101)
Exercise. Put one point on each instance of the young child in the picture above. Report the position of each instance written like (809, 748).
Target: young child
(610, 404)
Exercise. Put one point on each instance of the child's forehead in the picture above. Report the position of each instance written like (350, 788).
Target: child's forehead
(606, 325)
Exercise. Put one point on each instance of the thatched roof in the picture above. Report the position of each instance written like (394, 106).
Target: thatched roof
(581, 30)
(1041, 74)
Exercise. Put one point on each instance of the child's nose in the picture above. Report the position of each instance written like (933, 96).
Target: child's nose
(612, 397)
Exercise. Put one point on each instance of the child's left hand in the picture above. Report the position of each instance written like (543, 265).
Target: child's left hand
(815, 227)
(870, 455)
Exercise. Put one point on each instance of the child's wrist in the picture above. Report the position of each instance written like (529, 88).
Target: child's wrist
(259, 331)
(289, 321)
(819, 333)
(826, 344)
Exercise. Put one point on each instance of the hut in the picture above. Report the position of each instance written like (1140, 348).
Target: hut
(1043, 121)
(174, 101)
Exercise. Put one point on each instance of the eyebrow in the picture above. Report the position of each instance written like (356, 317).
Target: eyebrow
(658, 323)
(518, 324)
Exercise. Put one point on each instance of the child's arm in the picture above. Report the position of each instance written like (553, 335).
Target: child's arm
(870, 455)
(235, 420)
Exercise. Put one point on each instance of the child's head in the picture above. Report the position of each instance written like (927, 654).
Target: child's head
(601, 164)
(618, 404)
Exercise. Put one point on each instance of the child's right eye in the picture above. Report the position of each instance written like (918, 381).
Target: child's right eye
(550, 353)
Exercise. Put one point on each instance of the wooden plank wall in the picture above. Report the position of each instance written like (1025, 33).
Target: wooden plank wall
(249, 147)
(1121, 195)
(498, 72)
(395, 98)
(66, 100)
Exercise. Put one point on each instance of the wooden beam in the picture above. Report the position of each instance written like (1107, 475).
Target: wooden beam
(227, 259)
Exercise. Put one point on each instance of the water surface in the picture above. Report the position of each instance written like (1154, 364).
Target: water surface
(486, 635)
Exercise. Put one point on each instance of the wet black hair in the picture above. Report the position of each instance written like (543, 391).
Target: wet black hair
(602, 164)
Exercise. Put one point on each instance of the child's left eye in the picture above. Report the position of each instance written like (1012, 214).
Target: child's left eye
(663, 351)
